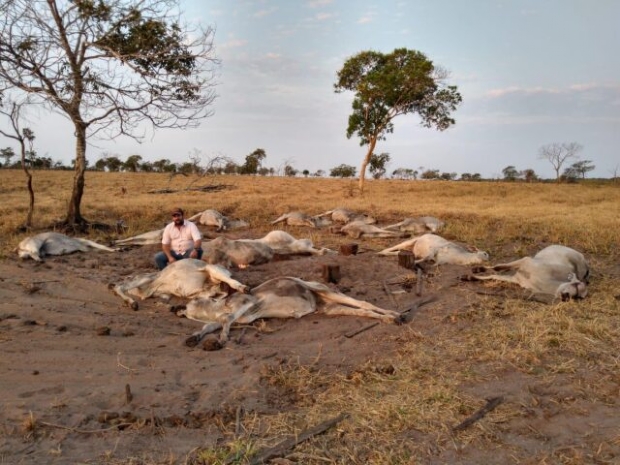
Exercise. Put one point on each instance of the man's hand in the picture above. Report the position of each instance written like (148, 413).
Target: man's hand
(193, 254)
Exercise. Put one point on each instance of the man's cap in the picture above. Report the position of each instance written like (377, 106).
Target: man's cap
(177, 210)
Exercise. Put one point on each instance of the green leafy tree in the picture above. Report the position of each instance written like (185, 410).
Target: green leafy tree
(159, 166)
(342, 171)
(510, 173)
(146, 167)
(100, 165)
(582, 167)
(529, 175)
(448, 176)
(7, 153)
(253, 162)
(388, 85)
(108, 66)
(113, 163)
(132, 163)
(378, 164)
(290, 171)
(430, 174)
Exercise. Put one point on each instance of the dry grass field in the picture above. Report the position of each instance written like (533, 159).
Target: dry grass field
(554, 368)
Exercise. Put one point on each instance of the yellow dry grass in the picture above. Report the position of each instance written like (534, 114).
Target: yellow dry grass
(402, 409)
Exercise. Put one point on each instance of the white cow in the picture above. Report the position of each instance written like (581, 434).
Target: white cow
(215, 218)
(284, 297)
(53, 243)
(433, 248)
(239, 253)
(344, 215)
(186, 278)
(556, 270)
(357, 229)
(147, 238)
(420, 225)
(283, 243)
(296, 219)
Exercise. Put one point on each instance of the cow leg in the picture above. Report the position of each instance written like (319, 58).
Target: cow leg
(198, 336)
(336, 297)
(232, 317)
(407, 245)
(334, 308)
(508, 266)
(219, 274)
(497, 277)
(95, 245)
(136, 283)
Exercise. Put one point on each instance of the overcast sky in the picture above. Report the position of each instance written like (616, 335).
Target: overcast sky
(531, 72)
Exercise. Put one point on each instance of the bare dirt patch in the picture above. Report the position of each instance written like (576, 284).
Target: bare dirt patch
(86, 379)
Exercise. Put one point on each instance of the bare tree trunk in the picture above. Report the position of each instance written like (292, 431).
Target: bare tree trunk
(371, 148)
(28, 223)
(74, 217)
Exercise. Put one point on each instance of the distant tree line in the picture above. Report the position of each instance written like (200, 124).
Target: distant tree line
(253, 165)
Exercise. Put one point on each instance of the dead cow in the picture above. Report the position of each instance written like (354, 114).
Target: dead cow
(53, 243)
(283, 243)
(556, 270)
(284, 297)
(218, 220)
(357, 229)
(147, 238)
(296, 219)
(433, 248)
(420, 225)
(239, 253)
(184, 278)
(344, 215)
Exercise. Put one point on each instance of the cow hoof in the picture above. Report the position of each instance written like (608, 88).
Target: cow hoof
(192, 341)
(134, 306)
(212, 344)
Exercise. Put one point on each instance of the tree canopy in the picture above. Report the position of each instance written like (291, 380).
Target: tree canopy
(109, 66)
(392, 84)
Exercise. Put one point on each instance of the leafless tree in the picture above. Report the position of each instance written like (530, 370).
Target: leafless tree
(557, 154)
(112, 67)
(22, 136)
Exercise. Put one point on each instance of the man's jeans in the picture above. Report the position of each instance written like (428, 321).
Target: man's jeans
(161, 260)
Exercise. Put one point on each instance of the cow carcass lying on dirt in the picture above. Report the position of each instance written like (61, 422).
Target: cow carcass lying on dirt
(216, 219)
(557, 271)
(53, 243)
(241, 253)
(283, 243)
(436, 249)
(284, 297)
(296, 219)
(344, 215)
(358, 229)
(186, 278)
(421, 225)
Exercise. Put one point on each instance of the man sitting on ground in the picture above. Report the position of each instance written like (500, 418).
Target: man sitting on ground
(181, 239)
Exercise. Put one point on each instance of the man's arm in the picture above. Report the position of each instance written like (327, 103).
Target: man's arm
(167, 249)
(197, 245)
(197, 237)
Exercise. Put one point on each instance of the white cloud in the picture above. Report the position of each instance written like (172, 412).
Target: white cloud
(234, 43)
(263, 13)
(323, 16)
(318, 3)
(364, 19)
